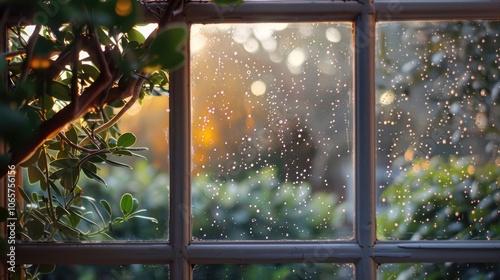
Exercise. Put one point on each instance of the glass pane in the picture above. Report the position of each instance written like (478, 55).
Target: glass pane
(91, 272)
(87, 176)
(272, 131)
(146, 179)
(294, 271)
(439, 271)
(438, 128)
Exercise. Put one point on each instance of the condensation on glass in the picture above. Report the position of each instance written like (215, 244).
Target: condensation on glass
(438, 127)
(128, 271)
(306, 270)
(403, 271)
(272, 131)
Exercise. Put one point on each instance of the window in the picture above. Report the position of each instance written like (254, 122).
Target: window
(362, 98)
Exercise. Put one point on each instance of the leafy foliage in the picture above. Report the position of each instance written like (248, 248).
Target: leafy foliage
(264, 208)
(68, 80)
(443, 199)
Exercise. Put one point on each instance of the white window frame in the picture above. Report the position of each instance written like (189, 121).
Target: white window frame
(364, 251)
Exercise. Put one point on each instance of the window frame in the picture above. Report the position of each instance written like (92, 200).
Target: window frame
(364, 251)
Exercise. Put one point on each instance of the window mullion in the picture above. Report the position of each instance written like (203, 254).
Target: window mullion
(3, 147)
(459, 251)
(364, 104)
(258, 252)
(101, 253)
(180, 169)
(205, 12)
(437, 10)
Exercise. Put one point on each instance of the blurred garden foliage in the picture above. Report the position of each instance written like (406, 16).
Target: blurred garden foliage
(445, 167)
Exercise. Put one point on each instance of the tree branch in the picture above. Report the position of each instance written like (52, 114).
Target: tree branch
(68, 114)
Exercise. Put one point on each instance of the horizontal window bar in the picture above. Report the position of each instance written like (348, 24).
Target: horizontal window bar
(258, 252)
(437, 251)
(401, 10)
(396, 10)
(273, 12)
(273, 252)
(94, 253)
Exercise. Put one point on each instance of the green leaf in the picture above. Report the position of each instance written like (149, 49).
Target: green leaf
(70, 177)
(135, 205)
(60, 211)
(98, 158)
(118, 103)
(55, 188)
(42, 161)
(93, 175)
(35, 229)
(166, 50)
(46, 102)
(25, 196)
(89, 72)
(59, 91)
(65, 162)
(46, 268)
(77, 190)
(54, 146)
(118, 164)
(126, 140)
(139, 156)
(74, 219)
(135, 35)
(72, 135)
(97, 211)
(107, 206)
(34, 174)
(41, 217)
(147, 218)
(67, 229)
(136, 149)
(103, 37)
(122, 153)
(34, 195)
(82, 217)
(126, 203)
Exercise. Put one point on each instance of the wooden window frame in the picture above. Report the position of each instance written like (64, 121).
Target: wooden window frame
(364, 251)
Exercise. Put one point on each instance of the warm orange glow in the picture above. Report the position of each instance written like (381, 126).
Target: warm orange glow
(206, 136)
(409, 154)
(425, 165)
(416, 167)
(39, 63)
(470, 169)
(250, 123)
(123, 7)
(198, 159)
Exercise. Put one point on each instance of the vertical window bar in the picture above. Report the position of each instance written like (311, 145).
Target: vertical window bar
(364, 100)
(180, 169)
(3, 148)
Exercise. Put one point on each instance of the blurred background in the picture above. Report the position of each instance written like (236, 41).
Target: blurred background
(272, 142)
